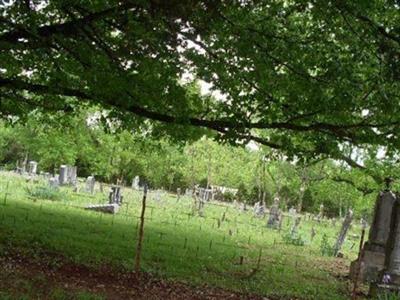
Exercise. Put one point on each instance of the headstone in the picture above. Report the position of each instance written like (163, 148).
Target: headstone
(111, 208)
(53, 182)
(321, 213)
(259, 209)
(343, 232)
(68, 175)
(188, 192)
(235, 204)
(157, 196)
(115, 195)
(135, 183)
(72, 174)
(389, 278)
(295, 226)
(90, 183)
(32, 170)
(204, 194)
(373, 254)
(273, 220)
(63, 177)
(292, 211)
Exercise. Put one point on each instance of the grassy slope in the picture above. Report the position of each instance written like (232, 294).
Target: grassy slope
(177, 246)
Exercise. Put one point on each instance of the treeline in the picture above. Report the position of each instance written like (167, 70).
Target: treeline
(82, 140)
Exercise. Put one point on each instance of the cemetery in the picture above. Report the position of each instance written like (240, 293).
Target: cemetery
(200, 149)
(221, 247)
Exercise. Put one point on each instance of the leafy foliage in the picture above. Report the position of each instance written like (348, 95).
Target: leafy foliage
(309, 79)
(45, 192)
(293, 239)
(326, 248)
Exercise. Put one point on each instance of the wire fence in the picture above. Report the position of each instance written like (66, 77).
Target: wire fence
(221, 240)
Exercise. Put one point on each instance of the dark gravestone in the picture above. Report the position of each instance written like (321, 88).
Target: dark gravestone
(373, 254)
(389, 277)
(115, 195)
(274, 213)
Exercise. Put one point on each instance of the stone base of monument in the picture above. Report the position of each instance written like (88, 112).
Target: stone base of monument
(385, 291)
(371, 265)
(106, 208)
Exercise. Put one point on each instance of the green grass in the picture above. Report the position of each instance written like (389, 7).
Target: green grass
(177, 245)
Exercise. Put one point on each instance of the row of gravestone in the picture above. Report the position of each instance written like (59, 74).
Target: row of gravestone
(68, 176)
(276, 217)
(30, 168)
(379, 263)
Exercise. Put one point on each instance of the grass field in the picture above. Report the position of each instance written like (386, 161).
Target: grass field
(236, 252)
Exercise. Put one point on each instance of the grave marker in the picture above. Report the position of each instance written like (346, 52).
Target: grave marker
(343, 232)
(373, 258)
(90, 183)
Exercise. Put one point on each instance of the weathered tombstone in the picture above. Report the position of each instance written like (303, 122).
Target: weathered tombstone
(32, 170)
(343, 232)
(157, 196)
(255, 207)
(321, 213)
(135, 183)
(259, 209)
(90, 183)
(292, 211)
(273, 220)
(235, 204)
(115, 195)
(188, 192)
(53, 182)
(373, 254)
(389, 278)
(295, 226)
(72, 174)
(68, 175)
(63, 177)
(110, 208)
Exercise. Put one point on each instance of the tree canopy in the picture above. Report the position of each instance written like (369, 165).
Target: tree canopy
(304, 77)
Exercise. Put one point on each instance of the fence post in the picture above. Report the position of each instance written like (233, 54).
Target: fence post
(141, 232)
(6, 193)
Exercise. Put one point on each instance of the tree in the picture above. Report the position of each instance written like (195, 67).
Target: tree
(307, 78)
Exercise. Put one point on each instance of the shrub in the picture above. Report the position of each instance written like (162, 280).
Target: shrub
(228, 196)
(43, 192)
(293, 239)
(326, 248)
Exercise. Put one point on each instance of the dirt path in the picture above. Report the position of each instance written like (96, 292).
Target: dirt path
(39, 278)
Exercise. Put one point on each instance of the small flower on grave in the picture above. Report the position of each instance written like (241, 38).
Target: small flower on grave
(386, 279)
